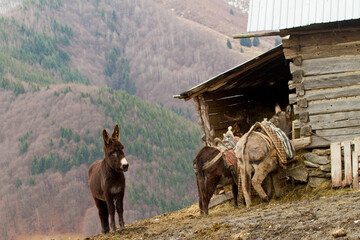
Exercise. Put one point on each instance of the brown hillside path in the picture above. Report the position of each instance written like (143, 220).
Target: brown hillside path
(311, 218)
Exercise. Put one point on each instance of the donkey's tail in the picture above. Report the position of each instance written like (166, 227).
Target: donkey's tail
(246, 173)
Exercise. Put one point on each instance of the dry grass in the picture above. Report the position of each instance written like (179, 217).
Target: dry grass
(289, 193)
(67, 236)
(187, 223)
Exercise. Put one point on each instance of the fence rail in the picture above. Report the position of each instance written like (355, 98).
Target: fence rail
(345, 163)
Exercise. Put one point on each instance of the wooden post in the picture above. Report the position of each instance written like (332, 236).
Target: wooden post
(355, 160)
(297, 60)
(336, 164)
(300, 143)
(293, 130)
(204, 116)
(347, 163)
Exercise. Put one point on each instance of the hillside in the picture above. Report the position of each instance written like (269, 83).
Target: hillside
(48, 138)
(166, 47)
(69, 68)
(317, 214)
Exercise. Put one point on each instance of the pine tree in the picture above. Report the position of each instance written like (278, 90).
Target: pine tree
(31, 182)
(245, 42)
(34, 166)
(18, 183)
(256, 42)
(228, 43)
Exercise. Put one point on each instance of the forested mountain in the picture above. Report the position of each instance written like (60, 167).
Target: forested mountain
(68, 69)
(153, 48)
(49, 137)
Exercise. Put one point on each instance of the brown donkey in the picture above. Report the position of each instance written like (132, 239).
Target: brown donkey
(107, 180)
(255, 153)
(210, 170)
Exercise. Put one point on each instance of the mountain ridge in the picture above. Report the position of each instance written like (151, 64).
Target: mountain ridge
(52, 166)
(66, 70)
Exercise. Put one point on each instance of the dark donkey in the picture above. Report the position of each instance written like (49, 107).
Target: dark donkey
(258, 155)
(107, 180)
(240, 124)
(209, 167)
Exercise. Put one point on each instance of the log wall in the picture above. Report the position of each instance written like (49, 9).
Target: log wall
(325, 72)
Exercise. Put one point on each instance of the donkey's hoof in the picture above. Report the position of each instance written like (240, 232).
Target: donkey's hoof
(266, 199)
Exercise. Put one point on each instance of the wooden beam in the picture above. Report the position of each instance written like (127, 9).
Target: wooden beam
(328, 124)
(297, 60)
(327, 65)
(227, 101)
(339, 26)
(336, 176)
(298, 75)
(322, 51)
(293, 130)
(331, 93)
(338, 131)
(250, 35)
(355, 161)
(301, 143)
(211, 96)
(330, 38)
(209, 132)
(330, 106)
(331, 80)
(219, 199)
(317, 142)
(335, 117)
(347, 163)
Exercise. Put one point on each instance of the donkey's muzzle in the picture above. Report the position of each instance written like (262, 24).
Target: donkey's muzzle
(124, 164)
(125, 167)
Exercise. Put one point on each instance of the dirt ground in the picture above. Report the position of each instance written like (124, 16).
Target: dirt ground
(299, 214)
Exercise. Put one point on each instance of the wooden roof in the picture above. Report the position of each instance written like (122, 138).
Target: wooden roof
(263, 70)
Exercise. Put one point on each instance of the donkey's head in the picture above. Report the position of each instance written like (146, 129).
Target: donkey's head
(113, 150)
(240, 124)
(282, 120)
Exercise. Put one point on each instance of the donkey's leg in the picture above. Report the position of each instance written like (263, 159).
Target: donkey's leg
(258, 178)
(276, 182)
(245, 186)
(111, 209)
(103, 214)
(235, 192)
(120, 209)
(200, 195)
(268, 165)
(268, 185)
(210, 186)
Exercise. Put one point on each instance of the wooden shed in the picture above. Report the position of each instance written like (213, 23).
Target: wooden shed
(317, 70)
(321, 41)
(325, 68)
(254, 86)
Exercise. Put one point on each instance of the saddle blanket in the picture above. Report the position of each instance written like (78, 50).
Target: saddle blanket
(230, 159)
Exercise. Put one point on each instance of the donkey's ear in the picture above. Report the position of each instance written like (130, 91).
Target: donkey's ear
(231, 119)
(288, 110)
(106, 137)
(115, 133)
(277, 109)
